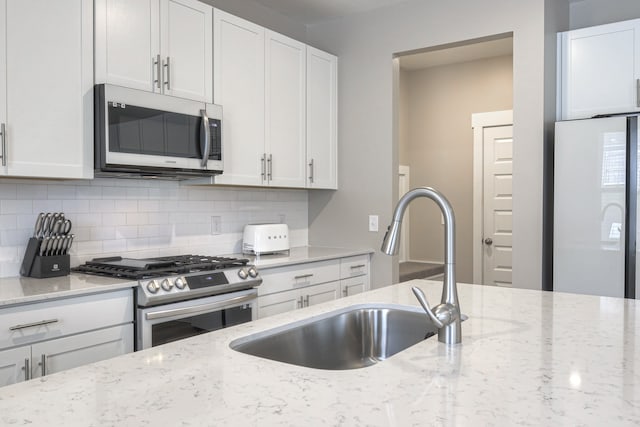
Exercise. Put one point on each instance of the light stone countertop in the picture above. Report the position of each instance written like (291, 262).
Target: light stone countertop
(27, 290)
(302, 254)
(527, 358)
(23, 290)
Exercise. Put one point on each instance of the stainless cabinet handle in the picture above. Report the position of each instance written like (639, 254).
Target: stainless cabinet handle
(31, 325)
(167, 80)
(353, 267)
(206, 135)
(303, 276)
(3, 131)
(43, 364)
(311, 171)
(270, 167)
(157, 65)
(27, 370)
(345, 292)
(637, 96)
(203, 308)
(300, 302)
(306, 301)
(488, 241)
(262, 161)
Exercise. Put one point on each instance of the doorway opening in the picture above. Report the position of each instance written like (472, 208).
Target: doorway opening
(439, 89)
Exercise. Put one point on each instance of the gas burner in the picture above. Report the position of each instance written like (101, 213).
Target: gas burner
(164, 280)
(137, 269)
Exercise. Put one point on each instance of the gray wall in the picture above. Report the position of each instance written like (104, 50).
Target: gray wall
(586, 13)
(368, 149)
(439, 146)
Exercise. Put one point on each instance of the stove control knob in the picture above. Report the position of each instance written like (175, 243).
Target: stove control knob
(242, 273)
(153, 286)
(166, 285)
(180, 283)
(253, 272)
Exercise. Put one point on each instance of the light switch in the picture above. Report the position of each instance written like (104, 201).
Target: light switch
(373, 222)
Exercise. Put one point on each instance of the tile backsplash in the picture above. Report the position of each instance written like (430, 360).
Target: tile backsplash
(140, 218)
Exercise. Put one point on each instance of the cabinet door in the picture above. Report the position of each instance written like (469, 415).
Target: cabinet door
(14, 364)
(600, 67)
(49, 88)
(322, 119)
(186, 49)
(354, 285)
(285, 77)
(77, 350)
(238, 85)
(127, 43)
(282, 302)
(321, 293)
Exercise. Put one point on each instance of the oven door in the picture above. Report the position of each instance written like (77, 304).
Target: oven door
(170, 322)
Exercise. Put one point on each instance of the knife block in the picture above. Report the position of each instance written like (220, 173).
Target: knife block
(34, 265)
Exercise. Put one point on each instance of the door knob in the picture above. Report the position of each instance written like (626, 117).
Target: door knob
(488, 241)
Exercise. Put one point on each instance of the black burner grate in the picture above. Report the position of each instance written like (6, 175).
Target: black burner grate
(137, 269)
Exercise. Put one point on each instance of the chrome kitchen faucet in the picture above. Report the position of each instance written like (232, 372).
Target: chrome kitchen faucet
(446, 315)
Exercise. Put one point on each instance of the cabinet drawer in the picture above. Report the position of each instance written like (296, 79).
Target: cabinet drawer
(298, 276)
(41, 321)
(354, 266)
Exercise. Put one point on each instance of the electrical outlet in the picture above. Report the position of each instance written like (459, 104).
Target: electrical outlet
(282, 218)
(373, 222)
(216, 225)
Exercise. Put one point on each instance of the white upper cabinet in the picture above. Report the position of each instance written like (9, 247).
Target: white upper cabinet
(186, 47)
(279, 99)
(239, 86)
(285, 77)
(322, 119)
(162, 46)
(599, 70)
(46, 88)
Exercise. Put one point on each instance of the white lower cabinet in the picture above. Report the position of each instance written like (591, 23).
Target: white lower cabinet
(13, 363)
(281, 302)
(354, 285)
(48, 357)
(57, 355)
(52, 336)
(296, 286)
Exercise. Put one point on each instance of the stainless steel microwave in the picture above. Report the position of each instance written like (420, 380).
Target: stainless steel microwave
(139, 134)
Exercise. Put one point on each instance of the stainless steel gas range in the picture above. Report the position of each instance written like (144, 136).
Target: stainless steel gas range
(182, 296)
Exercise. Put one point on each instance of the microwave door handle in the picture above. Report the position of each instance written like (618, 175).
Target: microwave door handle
(206, 135)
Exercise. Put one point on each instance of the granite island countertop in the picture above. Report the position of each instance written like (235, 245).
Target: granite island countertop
(527, 358)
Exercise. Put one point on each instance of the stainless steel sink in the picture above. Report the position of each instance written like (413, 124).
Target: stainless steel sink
(350, 338)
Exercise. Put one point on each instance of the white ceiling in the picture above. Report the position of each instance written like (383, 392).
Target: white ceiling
(453, 55)
(314, 11)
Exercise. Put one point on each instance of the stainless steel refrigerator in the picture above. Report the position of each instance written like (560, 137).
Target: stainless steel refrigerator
(595, 206)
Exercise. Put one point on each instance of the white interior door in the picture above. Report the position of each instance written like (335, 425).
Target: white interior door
(497, 212)
(404, 186)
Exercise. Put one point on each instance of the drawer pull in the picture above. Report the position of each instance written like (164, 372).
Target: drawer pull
(304, 276)
(43, 364)
(31, 325)
(353, 267)
(27, 370)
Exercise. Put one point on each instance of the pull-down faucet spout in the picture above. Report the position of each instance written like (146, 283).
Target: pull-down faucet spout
(446, 315)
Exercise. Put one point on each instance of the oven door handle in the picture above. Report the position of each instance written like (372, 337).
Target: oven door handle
(203, 308)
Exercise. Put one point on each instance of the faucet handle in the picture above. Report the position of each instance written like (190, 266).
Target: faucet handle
(422, 299)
